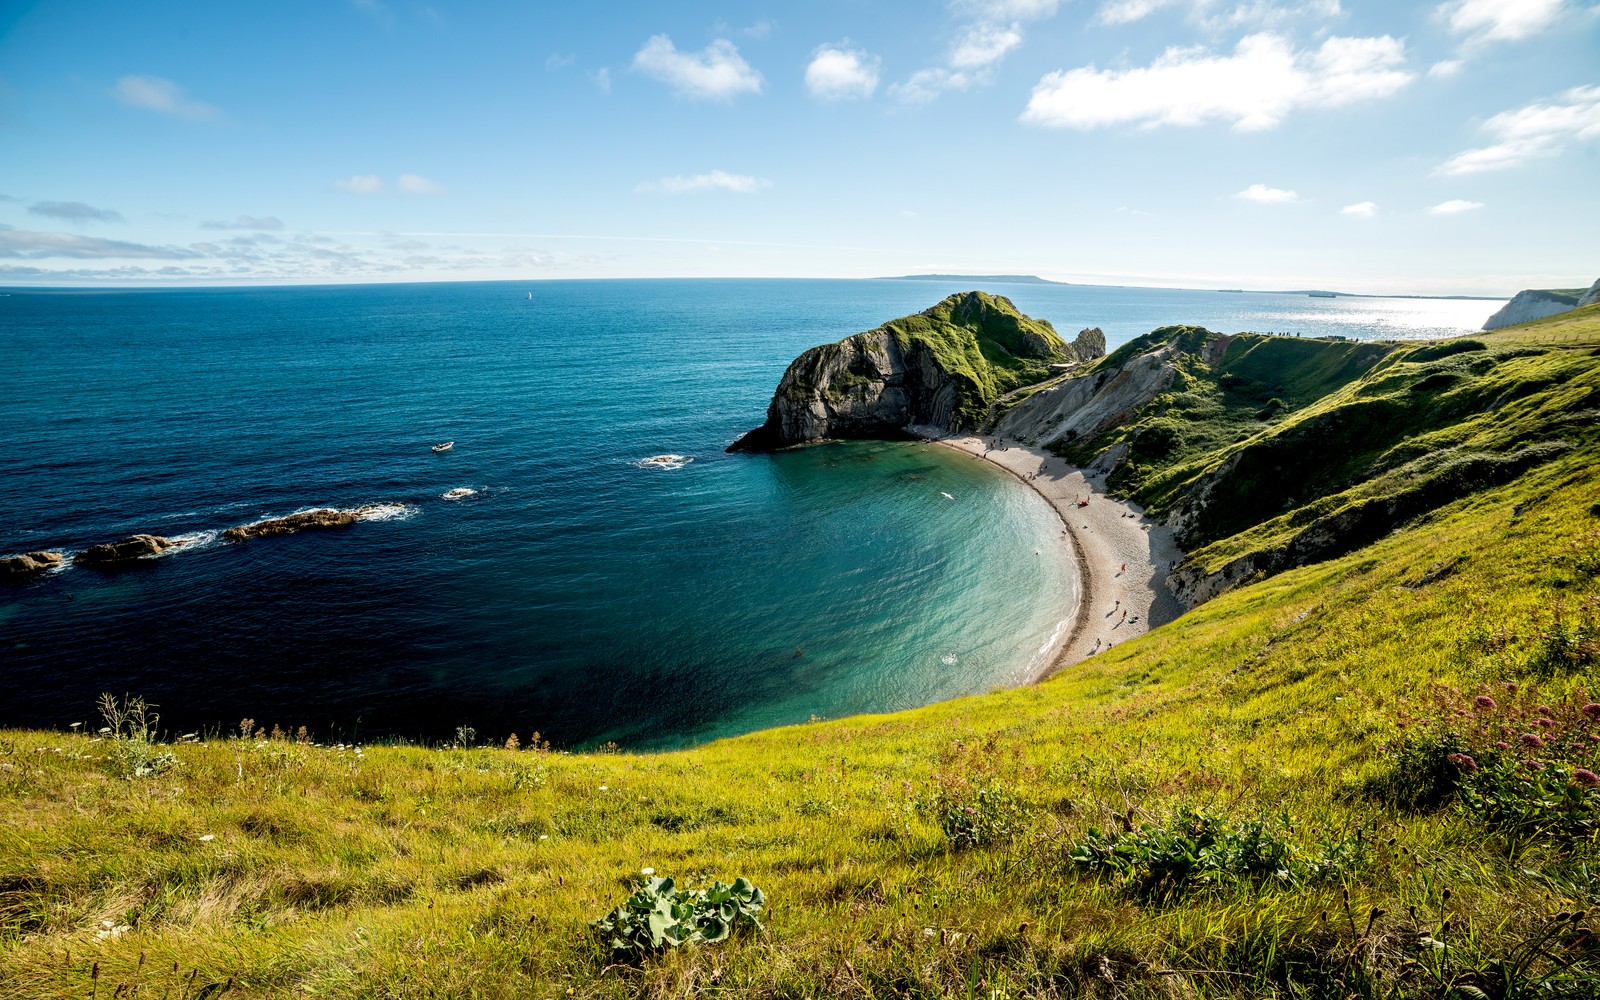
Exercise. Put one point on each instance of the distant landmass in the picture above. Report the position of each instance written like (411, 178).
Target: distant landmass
(1015, 279)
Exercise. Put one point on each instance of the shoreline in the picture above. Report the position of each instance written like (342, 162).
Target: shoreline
(1122, 556)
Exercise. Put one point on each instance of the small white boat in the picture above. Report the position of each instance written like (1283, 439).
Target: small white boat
(530, 296)
(446, 446)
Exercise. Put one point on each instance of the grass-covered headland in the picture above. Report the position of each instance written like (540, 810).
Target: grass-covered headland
(1374, 775)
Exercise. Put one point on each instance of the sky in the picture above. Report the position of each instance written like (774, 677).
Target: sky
(1427, 148)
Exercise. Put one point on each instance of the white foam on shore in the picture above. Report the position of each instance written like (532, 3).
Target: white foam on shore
(1046, 654)
(459, 493)
(666, 462)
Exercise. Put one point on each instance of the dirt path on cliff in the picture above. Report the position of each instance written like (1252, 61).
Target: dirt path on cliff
(1122, 556)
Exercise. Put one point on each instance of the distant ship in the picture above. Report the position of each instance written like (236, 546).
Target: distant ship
(1323, 295)
(530, 296)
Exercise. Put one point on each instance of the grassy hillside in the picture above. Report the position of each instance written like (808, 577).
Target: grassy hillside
(1294, 790)
(985, 344)
(1298, 448)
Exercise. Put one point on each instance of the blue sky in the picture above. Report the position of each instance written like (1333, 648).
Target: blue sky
(1370, 146)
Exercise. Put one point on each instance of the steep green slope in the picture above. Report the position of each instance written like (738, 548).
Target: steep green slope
(1270, 796)
(1270, 452)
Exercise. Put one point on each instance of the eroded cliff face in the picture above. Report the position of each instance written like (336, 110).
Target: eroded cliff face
(940, 368)
(865, 386)
(1535, 303)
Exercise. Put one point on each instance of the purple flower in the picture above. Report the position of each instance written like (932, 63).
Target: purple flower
(1592, 710)
(1530, 740)
(967, 809)
(1544, 723)
(1533, 765)
(1511, 685)
(1501, 745)
(1545, 710)
(1485, 702)
(1466, 763)
(1586, 778)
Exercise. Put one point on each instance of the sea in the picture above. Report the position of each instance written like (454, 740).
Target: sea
(586, 562)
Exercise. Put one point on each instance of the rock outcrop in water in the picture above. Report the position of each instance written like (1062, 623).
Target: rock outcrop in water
(325, 517)
(130, 549)
(940, 368)
(28, 564)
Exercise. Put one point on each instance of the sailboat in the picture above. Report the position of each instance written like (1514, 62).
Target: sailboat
(530, 296)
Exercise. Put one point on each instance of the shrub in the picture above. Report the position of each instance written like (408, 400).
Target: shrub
(1195, 849)
(1523, 769)
(659, 915)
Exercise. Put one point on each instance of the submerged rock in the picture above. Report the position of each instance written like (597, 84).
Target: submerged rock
(325, 517)
(29, 563)
(130, 549)
(940, 368)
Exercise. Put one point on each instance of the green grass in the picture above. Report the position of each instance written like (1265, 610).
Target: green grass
(1279, 711)
(986, 346)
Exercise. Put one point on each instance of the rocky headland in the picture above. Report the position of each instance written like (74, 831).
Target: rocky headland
(942, 368)
(1537, 303)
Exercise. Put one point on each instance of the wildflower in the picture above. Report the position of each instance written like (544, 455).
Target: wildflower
(603, 788)
(1511, 685)
(967, 809)
(544, 836)
(1465, 762)
(1544, 723)
(647, 871)
(1586, 778)
(1483, 701)
(1501, 745)
(1592, 710)
(1533, 765)
(1530, 740)
(208, 838)
(1545, 711)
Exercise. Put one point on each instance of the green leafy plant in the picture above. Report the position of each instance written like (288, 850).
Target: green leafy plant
(986, 816)
(1195, 849)
(659, 915)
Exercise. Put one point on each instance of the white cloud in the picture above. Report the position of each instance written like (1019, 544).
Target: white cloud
(1454, 206)
(992, 29)
(152, 93)
(74, 211)
(717, 72)
(360, 184)
(1365, 209)
(1253, 89)
(1128, 11)
(1254, 13)
(838, 73)
(1501, 20)
(716, 180)
(602, 79)
(1543, 128)
(414, 184)
(1263, 195)
(25, 244)
(985, 44)
(257, 223)
(559, 60)
(1445, 68)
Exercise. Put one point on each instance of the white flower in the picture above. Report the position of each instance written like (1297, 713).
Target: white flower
(544, 836)
(647, 871)
(208, 838)
(602, 788)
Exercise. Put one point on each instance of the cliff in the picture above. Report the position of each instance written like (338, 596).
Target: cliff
(942, 367)
(1537, 303)
(1267, 453)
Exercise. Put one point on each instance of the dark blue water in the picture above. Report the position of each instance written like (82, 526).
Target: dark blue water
(579, 591)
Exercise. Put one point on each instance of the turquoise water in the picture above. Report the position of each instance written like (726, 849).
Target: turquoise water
(580, 590)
